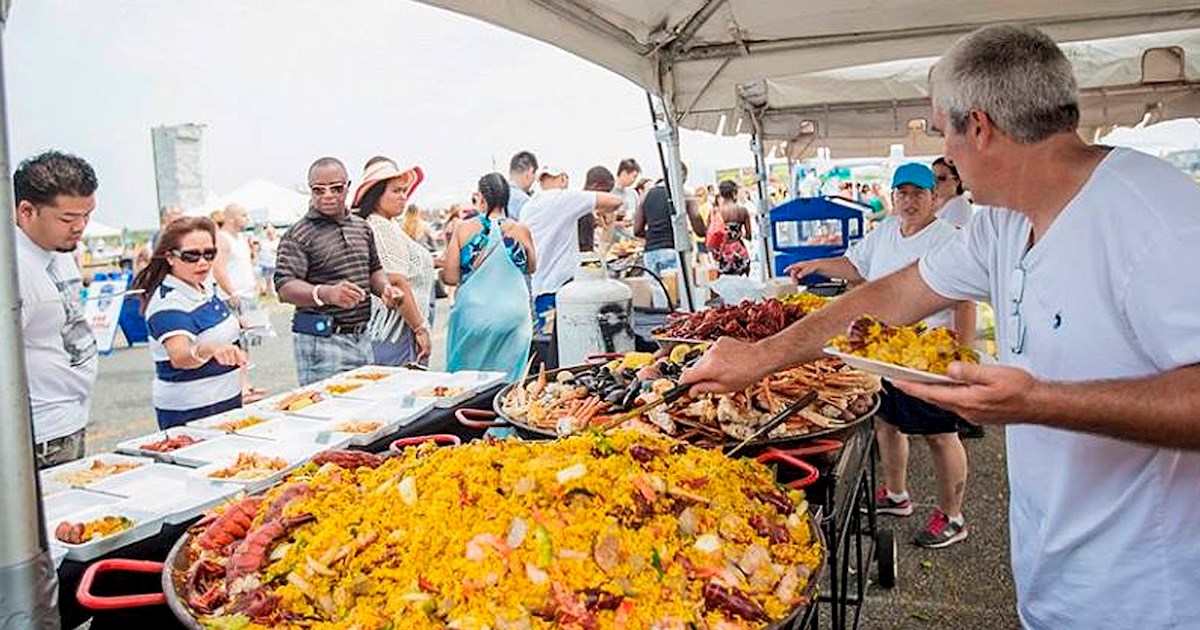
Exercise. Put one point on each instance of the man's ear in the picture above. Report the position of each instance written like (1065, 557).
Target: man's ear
(25, 210)
(982, 130)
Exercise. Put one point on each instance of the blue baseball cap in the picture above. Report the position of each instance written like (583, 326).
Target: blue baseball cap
(913, 173)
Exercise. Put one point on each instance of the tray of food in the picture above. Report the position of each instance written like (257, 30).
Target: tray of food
(913, 353)
(294, 401)
(161, 445)
(395, 410)
(373, 373)
(84, 472)
(220, 447)
(256, 470)
(91, 533)
(168, 491)
(71, 501)
(398, 385)
(748, 320)
(235, 420)
(644, 533)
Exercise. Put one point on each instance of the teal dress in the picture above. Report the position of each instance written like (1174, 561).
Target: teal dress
(490, 323)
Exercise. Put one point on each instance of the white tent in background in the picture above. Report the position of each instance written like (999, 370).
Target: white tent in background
(96, 229)
(264, 201)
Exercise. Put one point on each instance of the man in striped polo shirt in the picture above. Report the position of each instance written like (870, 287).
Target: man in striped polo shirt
(326, 264)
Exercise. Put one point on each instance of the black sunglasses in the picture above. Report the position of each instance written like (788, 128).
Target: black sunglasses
(335, 189)
(194, 255)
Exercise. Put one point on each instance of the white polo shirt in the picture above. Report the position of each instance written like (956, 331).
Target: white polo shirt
(178, 309)
(1104, 533)
(60, 349)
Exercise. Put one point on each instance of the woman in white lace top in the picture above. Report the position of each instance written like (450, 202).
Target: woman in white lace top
(399, 336)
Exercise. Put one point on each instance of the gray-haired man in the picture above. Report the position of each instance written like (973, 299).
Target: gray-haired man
(1091, 271)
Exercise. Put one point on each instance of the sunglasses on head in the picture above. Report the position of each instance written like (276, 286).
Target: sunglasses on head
(335, 189)
(194, 255)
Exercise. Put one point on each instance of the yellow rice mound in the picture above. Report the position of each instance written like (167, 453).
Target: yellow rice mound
(509, 535)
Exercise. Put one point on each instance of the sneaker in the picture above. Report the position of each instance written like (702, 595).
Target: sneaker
(884, 504)
(969, 431)
(940, 532)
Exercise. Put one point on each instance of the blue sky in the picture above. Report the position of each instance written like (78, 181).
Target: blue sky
(280, 82)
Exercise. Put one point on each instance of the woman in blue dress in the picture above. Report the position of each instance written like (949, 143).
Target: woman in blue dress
(488, 257)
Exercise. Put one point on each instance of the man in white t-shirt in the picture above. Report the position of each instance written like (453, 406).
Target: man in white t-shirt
(55, 195)
(912, 231)
(1092, 275)
(233, 269)
(552, 216)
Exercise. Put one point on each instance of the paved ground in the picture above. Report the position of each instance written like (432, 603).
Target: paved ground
(966, 586)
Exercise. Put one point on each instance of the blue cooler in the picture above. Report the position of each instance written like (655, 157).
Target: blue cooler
(814, 227)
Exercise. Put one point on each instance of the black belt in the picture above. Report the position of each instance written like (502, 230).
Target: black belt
(349, 329)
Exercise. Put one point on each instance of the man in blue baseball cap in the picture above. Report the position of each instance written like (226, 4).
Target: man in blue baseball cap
(912, 231)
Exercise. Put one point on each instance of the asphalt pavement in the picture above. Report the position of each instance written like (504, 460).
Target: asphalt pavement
(965, 586)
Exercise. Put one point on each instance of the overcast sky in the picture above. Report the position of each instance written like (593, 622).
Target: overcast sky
(278, 83)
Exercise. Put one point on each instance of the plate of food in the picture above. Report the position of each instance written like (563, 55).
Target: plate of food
(161, 445)
(256, 470)
(91, 533)
(444, 395)
(374, 373)
(89, 470)
(291, 428)
(910, 353)
(71, 501)
(220, 447)
(234, 421)
(293, 402)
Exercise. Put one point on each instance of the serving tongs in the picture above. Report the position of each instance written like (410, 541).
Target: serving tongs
(776, 420)
(668, 397)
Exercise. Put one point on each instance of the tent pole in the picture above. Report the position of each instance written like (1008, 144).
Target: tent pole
(764, 199)
(28, 581)
(666, 133)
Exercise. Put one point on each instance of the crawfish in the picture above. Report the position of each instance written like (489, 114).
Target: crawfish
(764, 527)
(249, 556)
(347, 459)
(258, 605)
(230, 526)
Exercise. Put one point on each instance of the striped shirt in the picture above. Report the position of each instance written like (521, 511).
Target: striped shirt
(320, 250)
(178, 309)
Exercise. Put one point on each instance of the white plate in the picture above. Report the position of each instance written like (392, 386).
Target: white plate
(271, 404)
(366, 369)
(393, 411)
(479, 380)
(145, 525)
(294, 453)
(134, 446)
(220, 448)
(288, 428)
(890, 370)
(68, 502)
(234, 415)
(55, 474)
(168, 491)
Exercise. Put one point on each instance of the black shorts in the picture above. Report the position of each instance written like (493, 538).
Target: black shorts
(914, 416)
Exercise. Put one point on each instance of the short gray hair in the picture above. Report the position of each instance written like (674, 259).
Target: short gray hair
(1016, 74)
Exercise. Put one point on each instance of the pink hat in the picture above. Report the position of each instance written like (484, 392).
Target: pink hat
(384, 170)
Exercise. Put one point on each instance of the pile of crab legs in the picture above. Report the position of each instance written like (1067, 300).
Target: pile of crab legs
(209, 584)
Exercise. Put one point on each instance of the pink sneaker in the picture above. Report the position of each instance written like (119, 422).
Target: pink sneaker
(885, 505)
(940, 532)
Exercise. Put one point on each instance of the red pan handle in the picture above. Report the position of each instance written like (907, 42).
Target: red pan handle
(443, 439)
(478, 418)
(94, 602)
(774, 455)
(815, 447)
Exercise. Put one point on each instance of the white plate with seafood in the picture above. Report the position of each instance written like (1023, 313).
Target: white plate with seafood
(161, 445)
(890, 371)
(84, 472)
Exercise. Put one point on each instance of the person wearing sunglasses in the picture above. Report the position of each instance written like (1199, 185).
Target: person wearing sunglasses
(950, 195)
(1088, 254)
(326, 266)
(193, 333)
(912, 231)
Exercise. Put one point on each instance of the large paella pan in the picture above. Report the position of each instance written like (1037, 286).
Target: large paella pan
(618, 530)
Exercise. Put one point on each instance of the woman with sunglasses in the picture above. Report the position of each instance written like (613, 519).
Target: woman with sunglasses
(488, 257)
(193, 334)
(949, 194)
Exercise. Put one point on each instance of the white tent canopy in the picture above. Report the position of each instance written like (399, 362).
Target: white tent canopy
(814, 74)
(264, 201)
(96, 229)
